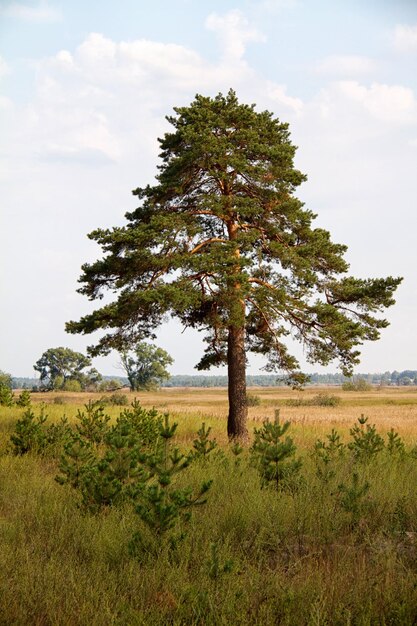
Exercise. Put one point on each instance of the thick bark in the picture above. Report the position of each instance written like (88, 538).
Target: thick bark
(236, 363)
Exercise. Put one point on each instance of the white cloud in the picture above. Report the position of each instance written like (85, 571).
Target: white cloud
(278, 95)
(4, 68)
(234, 31)
(43, 12)
(346, 65)
(65, 58)
(405, 37)
(388, 103)
(106, 100)
(5, 103)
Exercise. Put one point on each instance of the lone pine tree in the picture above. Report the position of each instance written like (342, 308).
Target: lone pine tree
(221, 242)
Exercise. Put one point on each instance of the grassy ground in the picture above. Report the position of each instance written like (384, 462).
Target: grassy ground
(251, 555)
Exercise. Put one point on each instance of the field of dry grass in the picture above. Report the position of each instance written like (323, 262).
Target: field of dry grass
(389, 407)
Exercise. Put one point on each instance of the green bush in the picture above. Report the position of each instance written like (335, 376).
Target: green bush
(115, 399)
(356, 385)
(6, 396)
(366, 441)
(72, 385)
(202, 446)
(24, 399)
(253, 400)
(325, 453)
(325, 399)
(321, 399)
(106, 463)
(33, 434)
(29, 434)
(161, 505)
(271, 455)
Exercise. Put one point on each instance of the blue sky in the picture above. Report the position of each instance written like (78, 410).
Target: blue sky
(84, 88)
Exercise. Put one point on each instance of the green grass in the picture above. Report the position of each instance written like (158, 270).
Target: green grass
(251, 555)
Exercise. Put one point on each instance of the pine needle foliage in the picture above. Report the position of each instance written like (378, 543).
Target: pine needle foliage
(222, 243)
(352, 497)
(325, 453)
(203, 445)
(107, 464)
(366, 441)
(29, 434)
(161, 505)
(24, 399)
(93, 423)
(273, 455)
(6, 396)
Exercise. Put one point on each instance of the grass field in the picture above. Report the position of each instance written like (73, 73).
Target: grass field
(320, 552)
(388, 407)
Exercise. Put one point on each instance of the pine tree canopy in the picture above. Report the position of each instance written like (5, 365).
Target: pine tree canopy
(222, 243)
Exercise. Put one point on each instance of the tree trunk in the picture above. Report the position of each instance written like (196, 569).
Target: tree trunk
(236, 365)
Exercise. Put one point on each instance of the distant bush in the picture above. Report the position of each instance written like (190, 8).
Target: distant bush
(296, 402)
(356, 385)
(116, 399)
(325, 399)
(59, 400)
(253, 400)
(321, 399)
(110, 385)
(72, 385)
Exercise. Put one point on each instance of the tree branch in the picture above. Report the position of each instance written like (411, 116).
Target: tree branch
(207, 242)
(263, 283)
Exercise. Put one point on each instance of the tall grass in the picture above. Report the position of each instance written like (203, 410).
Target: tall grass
(250, 555)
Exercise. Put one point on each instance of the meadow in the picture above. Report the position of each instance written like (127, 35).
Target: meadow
(333, 543)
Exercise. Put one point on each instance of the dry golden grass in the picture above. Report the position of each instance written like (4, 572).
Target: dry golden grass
(390, 407)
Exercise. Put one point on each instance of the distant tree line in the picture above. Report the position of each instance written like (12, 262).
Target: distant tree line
(404, 378)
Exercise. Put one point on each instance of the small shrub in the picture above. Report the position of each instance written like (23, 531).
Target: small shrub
(59, 400)
(321, 399)
(296, 402)
(57, 435)
(401, 517)
(325, 453)
(356, 385)
(6, 396)
(325, 399)
(160, 505)
(144, 425)
(33, 434)
(93, 423)
(351, 498)
(202, 446)
(71, 385)
(108, 465)
(29, 434)
(216, 568)
(366, 441)
(24, 399)
(116, 399)
(272, 456)
(110, 385)
(253, 400)
(395, 445)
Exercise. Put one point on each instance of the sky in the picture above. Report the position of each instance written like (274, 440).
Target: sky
(84, 91)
